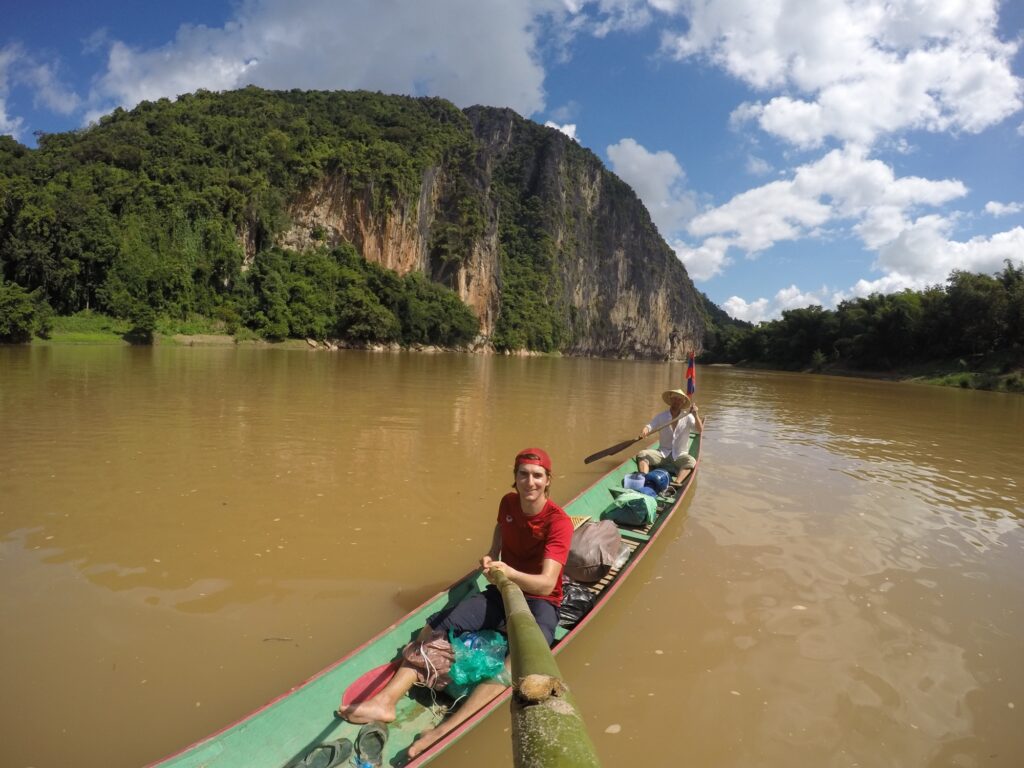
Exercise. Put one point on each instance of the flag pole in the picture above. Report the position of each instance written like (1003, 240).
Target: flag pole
(691, 376)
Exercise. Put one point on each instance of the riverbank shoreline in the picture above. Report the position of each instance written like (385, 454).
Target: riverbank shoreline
(995, 374)
(122, 338)
(998, 373)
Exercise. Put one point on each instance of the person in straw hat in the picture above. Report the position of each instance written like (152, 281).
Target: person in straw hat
(674, 439)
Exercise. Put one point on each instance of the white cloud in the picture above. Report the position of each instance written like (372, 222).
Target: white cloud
(752, 312)
(49, 90)
(1003, 209)
(921, 255)
(465, 51)
(610, 15)
(757, 166)
(568, 111)
(758, 218)
(925, 253)
(569, 129)
(858, 69)
(659, 180)
(844, 185)
(894, 282)
(8, 123)
(851, 69)
(746, 112)
(793, 297)
(705, 261)
(9, 55)
(845, 188)
(768, 309)
(18, 68)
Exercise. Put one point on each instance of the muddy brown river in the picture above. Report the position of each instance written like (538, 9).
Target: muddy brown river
(185, 533)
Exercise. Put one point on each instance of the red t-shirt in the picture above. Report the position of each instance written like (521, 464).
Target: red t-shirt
(526, 542)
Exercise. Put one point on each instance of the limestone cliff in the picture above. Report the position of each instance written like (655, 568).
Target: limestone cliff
(528, 211)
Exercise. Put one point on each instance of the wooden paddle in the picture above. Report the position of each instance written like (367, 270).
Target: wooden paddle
(625, 443)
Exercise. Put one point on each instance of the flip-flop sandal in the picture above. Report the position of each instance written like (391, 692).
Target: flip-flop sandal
(370, 743)
(327, 755)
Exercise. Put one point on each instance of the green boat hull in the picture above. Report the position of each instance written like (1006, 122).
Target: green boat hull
(286, 728)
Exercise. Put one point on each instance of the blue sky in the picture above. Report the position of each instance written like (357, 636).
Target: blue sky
(790, 151)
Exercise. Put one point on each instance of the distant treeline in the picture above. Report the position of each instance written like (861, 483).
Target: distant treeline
(971, 315)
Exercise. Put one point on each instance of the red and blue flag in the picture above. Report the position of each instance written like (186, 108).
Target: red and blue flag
(691, 375)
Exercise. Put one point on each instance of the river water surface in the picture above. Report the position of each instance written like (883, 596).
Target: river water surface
(186, 533)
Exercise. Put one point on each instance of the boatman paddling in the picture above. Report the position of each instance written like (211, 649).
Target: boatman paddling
(672, 452)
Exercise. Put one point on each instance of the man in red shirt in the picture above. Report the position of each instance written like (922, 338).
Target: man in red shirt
(532, 537)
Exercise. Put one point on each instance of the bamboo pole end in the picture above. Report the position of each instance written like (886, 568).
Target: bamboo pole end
(534, 689)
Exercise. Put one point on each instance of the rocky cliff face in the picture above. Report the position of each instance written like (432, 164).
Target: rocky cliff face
(615, 287)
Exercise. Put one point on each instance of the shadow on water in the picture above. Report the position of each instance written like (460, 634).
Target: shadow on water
(410, 598)
(139, 337)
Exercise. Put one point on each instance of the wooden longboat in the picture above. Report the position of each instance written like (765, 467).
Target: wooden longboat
(286, 728)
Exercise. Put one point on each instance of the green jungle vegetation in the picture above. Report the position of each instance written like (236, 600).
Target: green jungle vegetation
(316, 294)
(137, 219)
(530, 316)
(142, 219)
(967, 333)
(133, 228)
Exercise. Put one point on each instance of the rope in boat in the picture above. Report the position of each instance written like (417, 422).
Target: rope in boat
(437, 709)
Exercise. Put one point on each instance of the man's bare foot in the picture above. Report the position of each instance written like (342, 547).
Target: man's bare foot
(374, 708)
(427, 739)
(679, 481)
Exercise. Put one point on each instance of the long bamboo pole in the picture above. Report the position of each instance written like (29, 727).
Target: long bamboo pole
(547, 729)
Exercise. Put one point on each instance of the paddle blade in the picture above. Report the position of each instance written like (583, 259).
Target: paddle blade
(609, 451)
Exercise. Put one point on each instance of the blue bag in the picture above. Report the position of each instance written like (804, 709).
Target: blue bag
(658, 479)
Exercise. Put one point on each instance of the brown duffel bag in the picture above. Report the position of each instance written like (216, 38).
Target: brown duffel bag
(595, 547)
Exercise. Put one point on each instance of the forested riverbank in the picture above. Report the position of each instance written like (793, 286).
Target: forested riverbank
(339, 215)
(1000, 371)
(319, 294)
(967, 333)
(995, 372)
(357, 219)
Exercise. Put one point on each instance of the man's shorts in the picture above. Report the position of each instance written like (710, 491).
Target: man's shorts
(657, 461)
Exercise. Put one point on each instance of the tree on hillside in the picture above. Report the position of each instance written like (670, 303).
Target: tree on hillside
(21, 314)
(1012, 279)
(977, 306)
